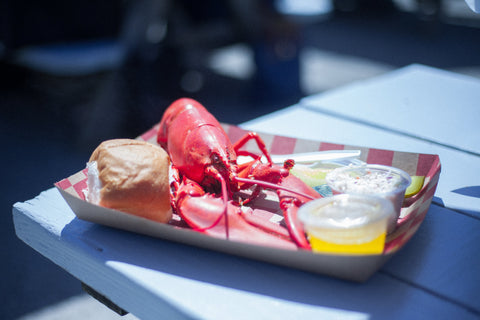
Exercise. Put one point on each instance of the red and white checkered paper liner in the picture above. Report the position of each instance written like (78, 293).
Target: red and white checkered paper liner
(413, 212)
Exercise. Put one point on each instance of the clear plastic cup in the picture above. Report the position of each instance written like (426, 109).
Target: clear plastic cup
(347, 224)
(372, 179)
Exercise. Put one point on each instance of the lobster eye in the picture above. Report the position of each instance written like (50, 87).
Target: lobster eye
(214, 158)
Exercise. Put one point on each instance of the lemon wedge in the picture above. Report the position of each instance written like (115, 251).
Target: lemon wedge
(311, 176)
(415, 186)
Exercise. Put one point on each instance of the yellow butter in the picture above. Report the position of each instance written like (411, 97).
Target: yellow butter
(347, 224)
(374, 246)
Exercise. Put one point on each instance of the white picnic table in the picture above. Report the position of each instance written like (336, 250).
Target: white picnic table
(434, 276)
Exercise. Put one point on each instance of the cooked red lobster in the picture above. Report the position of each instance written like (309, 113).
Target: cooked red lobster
(205, 191)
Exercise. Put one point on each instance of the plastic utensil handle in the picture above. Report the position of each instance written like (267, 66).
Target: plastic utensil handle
(309, 157)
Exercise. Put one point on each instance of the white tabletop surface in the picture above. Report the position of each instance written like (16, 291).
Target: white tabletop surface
(433, 277)
(401, 101)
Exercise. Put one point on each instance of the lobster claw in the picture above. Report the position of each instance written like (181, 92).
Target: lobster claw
(204, 212)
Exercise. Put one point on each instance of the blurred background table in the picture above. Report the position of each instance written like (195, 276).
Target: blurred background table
(433, 276)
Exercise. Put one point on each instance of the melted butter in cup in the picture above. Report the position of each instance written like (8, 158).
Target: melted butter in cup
(371, 179)
(347, 224)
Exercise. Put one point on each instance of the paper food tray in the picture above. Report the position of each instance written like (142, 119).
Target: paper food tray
(348, 267)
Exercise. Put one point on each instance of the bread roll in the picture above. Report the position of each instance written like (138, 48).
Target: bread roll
(131, 176)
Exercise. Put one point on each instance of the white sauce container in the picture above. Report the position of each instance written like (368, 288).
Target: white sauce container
(372, 179)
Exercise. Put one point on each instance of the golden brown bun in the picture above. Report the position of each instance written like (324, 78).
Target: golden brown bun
(134, 178)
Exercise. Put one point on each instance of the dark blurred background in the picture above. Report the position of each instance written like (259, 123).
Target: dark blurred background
(74, 73)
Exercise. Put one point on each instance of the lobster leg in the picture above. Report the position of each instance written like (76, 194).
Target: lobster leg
(252, 136)
(289, 203)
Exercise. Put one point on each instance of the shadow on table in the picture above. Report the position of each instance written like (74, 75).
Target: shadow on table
(239, 273)
(472, 191)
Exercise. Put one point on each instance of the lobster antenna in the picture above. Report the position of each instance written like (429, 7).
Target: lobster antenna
(273, 186)
(225, 203)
